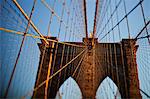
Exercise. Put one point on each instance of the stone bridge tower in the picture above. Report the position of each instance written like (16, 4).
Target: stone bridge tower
(114, 60)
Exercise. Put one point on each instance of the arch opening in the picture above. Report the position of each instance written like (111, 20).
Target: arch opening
(69, 89)
(108, 89)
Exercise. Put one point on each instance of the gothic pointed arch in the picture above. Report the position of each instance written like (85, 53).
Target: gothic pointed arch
(108, 88)
(69, 88)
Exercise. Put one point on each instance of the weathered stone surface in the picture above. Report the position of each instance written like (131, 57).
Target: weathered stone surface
(114, 60)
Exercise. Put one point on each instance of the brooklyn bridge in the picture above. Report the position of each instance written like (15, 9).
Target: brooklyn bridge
(73, 49)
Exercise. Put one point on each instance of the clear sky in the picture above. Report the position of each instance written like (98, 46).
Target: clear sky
(90, 14)
(41, 17)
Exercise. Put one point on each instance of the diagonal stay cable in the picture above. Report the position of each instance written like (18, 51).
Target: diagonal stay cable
(32, 24)
(142, 30)
(122, 19)
(76, 13)
(63, 67)
(148, 96)
(112, 14)
(35, 36)
(20, 50)
(143, 37)
(144, 19)
(53, 12)
(79, 64)
(80, 70)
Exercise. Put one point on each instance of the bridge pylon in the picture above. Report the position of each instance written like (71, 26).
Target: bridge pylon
(114, 60)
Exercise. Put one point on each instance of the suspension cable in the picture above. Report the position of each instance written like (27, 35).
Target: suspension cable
(32, 24)
(18, 55)
(63, 67)
(85, 18)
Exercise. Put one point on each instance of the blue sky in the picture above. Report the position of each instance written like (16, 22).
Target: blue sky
(41, 16)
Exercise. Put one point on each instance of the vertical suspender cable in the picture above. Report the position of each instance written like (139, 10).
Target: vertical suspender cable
(18, 55)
